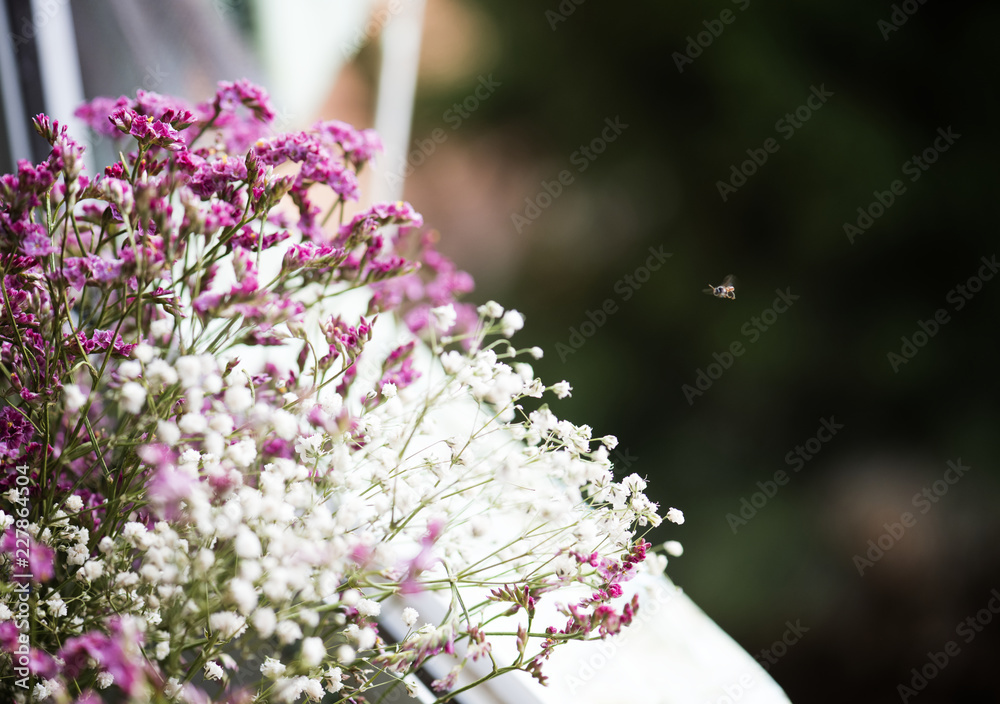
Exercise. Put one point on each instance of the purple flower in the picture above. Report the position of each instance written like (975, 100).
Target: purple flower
(41, 557)
(231, 94)
(36, 242)
(146, 129)
(107, 651)
(164, 108)
(15, 432)
(168, 489)
(211, 177)
(95, 114)
(359, 145)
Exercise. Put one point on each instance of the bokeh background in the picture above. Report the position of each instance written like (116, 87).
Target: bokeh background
(696, 86)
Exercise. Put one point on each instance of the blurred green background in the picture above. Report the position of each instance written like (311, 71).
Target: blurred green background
(825, 358)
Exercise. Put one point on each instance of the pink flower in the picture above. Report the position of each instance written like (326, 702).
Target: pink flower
(107, 651)
(15, 432)
(243, 92)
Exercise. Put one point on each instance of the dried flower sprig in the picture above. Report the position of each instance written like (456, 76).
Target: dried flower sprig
(221, 456)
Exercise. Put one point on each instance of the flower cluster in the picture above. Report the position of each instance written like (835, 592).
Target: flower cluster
(221, 455)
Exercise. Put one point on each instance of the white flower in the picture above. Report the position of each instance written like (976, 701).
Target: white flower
(212, 383)
(345, 655)
(57, 607)
(222, 423)
(161, 327)
(188, 371)
(511, 322)
(287, 632)
(673, 548)
(285, 424)
(105, 680)
(133, 397)
(159, 372)
(368, 608)
(74, 503)
(172, 688)
(92, 569)
(272, 669)
(73, 397)
(247, 544)
(389, 390)
(213, 671)
(675, 515)
(444, 317)
(162, 650)
(238, 399)
(143, 352)
(204, 559)
(634, 483)
(243, 593)
(308, 445)
(410, 616)
(562, 389)
(264, 621)
(193, 423)
(364, 638)
(167, 432)
(333, 681)
(453, 362)
(242, 453)
(77, 554)
(130, 369)
(135, 534)
(227, 624)
(536, 352)
(313, 651)
(490, 309)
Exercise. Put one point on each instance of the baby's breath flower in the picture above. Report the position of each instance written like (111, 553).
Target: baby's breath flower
(213, 671)
(562, 389)
(490, 309)
(313, 651)
(511, 322)
(272, 668)
(133, 397)
(74, 398)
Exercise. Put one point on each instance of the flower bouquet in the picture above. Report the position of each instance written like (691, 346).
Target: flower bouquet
(235, 423)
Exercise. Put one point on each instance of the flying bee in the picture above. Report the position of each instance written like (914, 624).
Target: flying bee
(727, 289)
